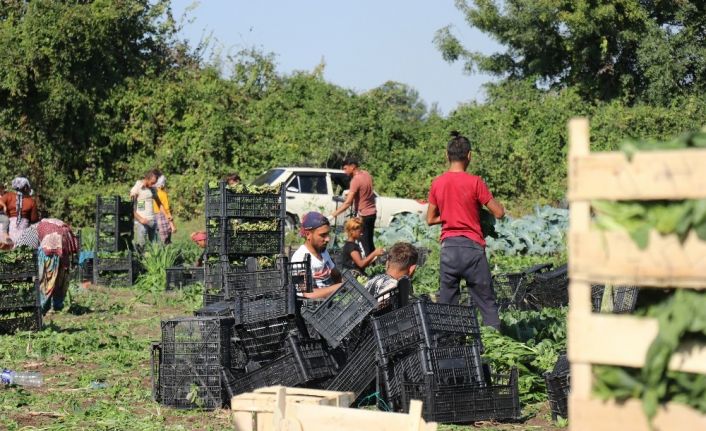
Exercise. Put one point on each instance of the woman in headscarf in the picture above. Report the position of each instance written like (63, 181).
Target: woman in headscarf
(165, 222)
(21, 207)
(57, 243)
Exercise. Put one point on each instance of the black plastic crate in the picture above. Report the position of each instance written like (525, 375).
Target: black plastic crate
(506, 284)
(548, 289)
(256, 242)
(306, 361)
(267, 306)
(114, 271)
(558, 387)
(400, 331)
(21, 320)
(240, 280)
(453, 365)
(18, 295)
(510, 288)
(360, 369)
(113, 244)
(282, 371)
(191, 386)
(225, 239)
(113, 278)
(238, 357)
(299, 275)
(213, 273)
(155, 362)
(265, 340)
(217, 309)
(114, 224)
(113, 205)
(222, 201)
(341, 312)
(179, 277)
(211, 297)
(196, 340)
(124, 262)
(466, 403)
(314, 361)
(23, 268)
(624, 298)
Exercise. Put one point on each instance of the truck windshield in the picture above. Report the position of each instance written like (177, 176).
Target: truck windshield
(268, 177)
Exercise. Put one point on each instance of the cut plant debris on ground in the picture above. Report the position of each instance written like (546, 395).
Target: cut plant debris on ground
(95, 360)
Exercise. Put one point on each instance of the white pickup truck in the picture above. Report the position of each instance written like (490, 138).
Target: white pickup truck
(316, 189)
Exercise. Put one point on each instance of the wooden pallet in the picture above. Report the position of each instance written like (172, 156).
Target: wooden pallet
(295, 409)
(612, 258)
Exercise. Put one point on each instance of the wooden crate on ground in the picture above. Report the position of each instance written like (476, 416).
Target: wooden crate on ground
(612, 258)
(295, 409)
(334, 398)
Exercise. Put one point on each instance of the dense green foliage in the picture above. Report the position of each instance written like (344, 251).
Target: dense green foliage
(648, 50)
(530, 341)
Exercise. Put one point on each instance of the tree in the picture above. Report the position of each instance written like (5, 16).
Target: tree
(635, 50)
(59, 63)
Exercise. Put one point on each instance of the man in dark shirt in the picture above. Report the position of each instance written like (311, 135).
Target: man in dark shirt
(455, 200)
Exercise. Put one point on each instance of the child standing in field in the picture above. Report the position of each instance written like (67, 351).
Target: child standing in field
(455, 200)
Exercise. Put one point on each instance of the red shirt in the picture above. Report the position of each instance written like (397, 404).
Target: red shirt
(459, 196)
(363, 197)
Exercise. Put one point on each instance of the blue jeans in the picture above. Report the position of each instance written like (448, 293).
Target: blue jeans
(146, 232)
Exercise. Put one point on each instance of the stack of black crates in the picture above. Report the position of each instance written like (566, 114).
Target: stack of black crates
(20, 308)
(255, 331)
(430, 352)
(246, 335)
(113, 263)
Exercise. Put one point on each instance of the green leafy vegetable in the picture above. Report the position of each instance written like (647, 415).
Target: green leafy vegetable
(638, 218)
(681, 317)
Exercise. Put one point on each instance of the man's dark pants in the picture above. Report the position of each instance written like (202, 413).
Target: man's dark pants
(368, 233)
(462, 258)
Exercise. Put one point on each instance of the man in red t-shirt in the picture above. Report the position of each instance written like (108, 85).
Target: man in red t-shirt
(455, 200)
(360, 194)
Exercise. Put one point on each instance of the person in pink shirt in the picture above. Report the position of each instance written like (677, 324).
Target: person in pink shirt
(455, 200)
(362, 197)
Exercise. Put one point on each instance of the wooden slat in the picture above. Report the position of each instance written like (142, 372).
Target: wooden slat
(611, 257)
(623, 341)
(677, 174)
(341, 399)
(253, 402)
(593, 415)
(324, 418)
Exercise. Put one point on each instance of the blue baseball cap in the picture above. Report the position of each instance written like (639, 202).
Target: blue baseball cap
(313, 220)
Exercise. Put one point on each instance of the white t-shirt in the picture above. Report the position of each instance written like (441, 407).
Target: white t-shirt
(320, 269)
(145, 199)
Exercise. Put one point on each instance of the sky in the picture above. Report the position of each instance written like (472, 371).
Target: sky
(363, 43)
